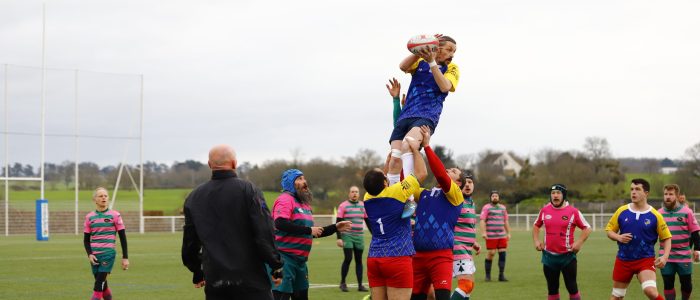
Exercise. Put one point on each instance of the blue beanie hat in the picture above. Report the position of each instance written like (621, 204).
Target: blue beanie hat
(288, 178)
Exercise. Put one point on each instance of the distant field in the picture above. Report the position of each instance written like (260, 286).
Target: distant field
(58, 269)
(169, 201)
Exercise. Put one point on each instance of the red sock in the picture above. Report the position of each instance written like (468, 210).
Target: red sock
(553, 297)
(107, 294)
(659, 297)
(576, 296)
(96, 295)
(670, 294)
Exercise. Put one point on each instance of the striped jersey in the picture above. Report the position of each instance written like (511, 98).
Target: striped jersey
(391, 234)
(436, 217)
(495, 217)
(681, 222)
(559, 225)
(465, 231)
(102, 227)
(355, 213)
(424, 98)
(645, 226)
(288, 207)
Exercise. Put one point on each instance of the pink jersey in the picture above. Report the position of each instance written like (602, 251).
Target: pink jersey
(495, 217)
(287, 207)
(681, 222)
(465, 231)
(355, 213)
(559, 225)
(102, 227)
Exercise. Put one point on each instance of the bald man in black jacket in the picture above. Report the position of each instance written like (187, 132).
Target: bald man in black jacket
(228, 234)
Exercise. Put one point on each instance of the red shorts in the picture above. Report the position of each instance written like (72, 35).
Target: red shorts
(396, 272)
(432, 267)
(501, 243)
(625, 270)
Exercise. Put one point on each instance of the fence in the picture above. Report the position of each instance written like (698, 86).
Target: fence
(517, 221)
(62, 222)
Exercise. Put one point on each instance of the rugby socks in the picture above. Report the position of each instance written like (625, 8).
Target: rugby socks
(107, 294)
(553, 297)
(97, 295)
(459, 294)
(501, 264)
(659, 297)
(487, 268)
(407, 161)
(670, 294)
(576, 296)
(393, 178)
(685, 295)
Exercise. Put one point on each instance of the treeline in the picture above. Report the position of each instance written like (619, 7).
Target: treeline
(591, 174)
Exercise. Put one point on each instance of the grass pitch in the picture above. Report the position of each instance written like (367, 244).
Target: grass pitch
(58, 269)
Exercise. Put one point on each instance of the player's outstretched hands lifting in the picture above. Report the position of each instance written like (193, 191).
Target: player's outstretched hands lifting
(425, 131)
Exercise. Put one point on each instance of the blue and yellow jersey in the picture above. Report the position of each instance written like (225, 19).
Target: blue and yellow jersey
(391, 234)
(646, 227)
(424, 98)
(436, 217)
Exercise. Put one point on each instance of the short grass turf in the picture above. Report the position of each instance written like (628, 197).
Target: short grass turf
(58, 269)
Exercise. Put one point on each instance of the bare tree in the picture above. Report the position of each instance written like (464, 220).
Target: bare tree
(597, 148)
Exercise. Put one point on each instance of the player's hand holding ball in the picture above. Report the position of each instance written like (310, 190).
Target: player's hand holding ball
(423, 43)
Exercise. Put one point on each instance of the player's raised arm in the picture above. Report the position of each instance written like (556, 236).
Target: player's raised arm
(408, 62)
(394, 88)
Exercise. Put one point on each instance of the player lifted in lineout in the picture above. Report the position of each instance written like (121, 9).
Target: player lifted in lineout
(434, 76)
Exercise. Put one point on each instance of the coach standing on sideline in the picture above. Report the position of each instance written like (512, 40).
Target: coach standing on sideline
(226, 221)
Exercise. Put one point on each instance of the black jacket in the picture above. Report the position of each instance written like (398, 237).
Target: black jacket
(226, 219)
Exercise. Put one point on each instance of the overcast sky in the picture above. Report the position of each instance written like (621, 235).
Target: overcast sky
(271, 76)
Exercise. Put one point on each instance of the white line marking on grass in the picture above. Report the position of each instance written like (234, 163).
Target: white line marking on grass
(327, 285)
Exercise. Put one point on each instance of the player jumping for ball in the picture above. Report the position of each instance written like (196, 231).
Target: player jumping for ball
(434, 76)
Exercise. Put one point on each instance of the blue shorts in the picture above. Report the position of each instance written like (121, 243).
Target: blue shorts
(403, 126)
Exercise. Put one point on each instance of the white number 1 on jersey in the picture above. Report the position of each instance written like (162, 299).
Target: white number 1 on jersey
(381, 226)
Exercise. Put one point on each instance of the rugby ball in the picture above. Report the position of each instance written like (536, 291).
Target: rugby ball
(422, 41)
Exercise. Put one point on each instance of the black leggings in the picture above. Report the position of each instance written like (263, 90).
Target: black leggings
(348, 252)
(100, 282)
(298, 295)
(552, 276)
(686, 282)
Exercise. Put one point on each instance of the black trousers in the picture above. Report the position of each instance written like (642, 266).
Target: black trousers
(230, 293)
(552, 276)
